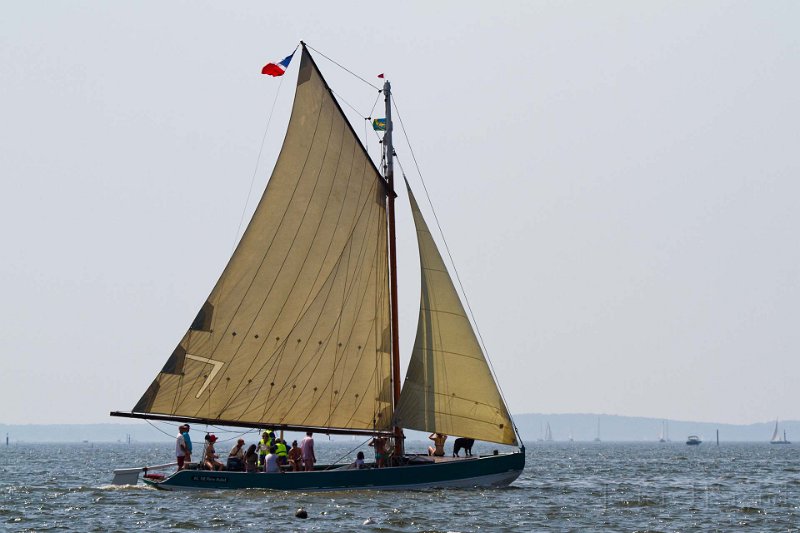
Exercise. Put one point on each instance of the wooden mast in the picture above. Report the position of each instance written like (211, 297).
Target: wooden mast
(389, 151)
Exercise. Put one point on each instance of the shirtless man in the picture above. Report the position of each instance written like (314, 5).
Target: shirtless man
(379, 443)
(307, 446)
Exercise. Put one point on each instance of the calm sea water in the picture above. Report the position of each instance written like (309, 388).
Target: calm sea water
(576, 486)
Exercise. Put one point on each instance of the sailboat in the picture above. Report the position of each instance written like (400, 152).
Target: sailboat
(548, 433)
(300, 332)
(663, 436)
(776, 438)
(597, 438)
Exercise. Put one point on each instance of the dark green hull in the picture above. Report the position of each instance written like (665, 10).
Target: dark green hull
(486, 471)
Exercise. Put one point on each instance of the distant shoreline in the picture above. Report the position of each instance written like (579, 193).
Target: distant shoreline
(582, 428)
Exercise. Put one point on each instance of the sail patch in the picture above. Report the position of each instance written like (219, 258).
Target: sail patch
(174, 364)
(202, 322)
(211, 375)
(145, 403)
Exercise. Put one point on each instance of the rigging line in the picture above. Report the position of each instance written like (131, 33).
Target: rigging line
(222, 429)
(347, 453)
(351, 106)
(240, 435)
(367, 122)
(449, 254)
(258, 162)
(376, 103)
(158, 428)
(343, 68)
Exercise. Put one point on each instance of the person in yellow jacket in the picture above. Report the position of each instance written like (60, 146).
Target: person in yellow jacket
(266, 442)
(282, 452)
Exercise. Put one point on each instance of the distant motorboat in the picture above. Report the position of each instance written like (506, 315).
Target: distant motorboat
(776, 438)
(693, 440)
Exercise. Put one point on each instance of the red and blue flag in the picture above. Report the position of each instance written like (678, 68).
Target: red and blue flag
(277, 69)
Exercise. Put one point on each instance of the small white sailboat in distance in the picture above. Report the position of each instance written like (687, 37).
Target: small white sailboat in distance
(663, 436)
(776, 438)
(548, 434)
(597, 438)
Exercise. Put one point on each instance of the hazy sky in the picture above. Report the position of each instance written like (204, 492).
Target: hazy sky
(618, 182)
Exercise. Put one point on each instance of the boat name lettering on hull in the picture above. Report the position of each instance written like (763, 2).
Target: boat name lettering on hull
(212, 479)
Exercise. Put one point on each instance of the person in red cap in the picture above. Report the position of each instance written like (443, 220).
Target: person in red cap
(211, 458)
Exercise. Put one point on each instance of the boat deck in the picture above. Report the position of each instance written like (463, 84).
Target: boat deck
(444, 458)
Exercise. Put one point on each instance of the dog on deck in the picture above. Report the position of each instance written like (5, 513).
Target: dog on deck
(464, 443)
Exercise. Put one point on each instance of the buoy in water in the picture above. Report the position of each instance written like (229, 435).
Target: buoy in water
(301, 513)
